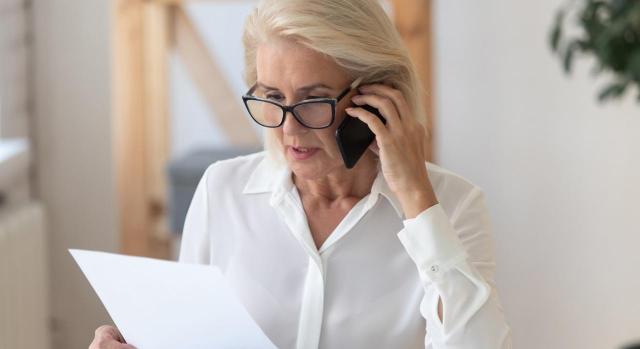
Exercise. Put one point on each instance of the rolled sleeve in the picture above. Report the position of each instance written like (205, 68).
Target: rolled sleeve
(455, 261)
(432, 243)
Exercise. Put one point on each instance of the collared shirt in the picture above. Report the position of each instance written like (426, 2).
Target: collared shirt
(374, 282)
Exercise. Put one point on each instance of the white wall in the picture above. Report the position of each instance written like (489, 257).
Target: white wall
(560, 171)
(193, 125)
(73, 135)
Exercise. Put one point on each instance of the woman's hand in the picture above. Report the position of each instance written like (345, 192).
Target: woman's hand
(108, 337)
(400, 145)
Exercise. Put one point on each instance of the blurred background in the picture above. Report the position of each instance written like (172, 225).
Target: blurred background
(111, 109)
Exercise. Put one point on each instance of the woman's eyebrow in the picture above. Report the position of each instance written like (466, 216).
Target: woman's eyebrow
(303, 88)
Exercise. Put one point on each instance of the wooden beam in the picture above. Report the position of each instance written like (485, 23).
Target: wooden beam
(413, 20)
(223, 103)
(156, 90)
(129, 130)
(140, 99)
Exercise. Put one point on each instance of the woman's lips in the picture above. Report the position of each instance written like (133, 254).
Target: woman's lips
(301, 153)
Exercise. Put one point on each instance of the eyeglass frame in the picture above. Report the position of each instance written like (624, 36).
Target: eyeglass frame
(290, 108)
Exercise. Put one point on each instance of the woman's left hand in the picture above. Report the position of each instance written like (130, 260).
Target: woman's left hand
(400, 145)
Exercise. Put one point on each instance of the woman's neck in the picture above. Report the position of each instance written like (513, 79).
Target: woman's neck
(341, 183)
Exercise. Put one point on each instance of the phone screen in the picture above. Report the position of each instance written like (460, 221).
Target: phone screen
(354, 137)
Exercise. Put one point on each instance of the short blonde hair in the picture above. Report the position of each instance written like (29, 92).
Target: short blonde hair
(357, 34)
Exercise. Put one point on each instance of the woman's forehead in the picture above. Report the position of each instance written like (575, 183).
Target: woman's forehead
(309, 87)
(296, 66)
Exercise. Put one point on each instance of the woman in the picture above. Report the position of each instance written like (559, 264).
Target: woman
(393, 253)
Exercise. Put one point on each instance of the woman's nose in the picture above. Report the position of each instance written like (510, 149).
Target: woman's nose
(292, 126)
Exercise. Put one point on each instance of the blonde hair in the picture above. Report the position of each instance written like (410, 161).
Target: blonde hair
(357, 34)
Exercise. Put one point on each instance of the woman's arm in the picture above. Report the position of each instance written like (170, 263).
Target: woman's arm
(456, 264)
(454, 256)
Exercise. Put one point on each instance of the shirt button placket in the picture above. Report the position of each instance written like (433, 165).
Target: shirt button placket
(311, 311)
(312, 303)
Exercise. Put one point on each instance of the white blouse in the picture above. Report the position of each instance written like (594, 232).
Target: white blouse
(375, 281)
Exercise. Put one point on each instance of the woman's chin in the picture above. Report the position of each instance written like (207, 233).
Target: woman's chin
(306, 170)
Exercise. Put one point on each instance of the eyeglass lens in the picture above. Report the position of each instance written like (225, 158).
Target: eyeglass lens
(311, 114)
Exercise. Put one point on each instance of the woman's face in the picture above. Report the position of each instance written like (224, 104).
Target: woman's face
(287, 68)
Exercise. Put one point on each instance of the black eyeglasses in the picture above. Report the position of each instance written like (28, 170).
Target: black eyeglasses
(316, 113)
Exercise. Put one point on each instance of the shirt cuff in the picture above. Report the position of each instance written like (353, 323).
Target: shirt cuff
(432, 243)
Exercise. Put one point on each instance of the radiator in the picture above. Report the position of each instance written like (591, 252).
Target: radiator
(24, 308)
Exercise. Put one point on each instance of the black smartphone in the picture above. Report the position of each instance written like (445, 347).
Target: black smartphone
(354, 136)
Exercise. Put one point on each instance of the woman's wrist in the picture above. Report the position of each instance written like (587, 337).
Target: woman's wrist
(416, 201)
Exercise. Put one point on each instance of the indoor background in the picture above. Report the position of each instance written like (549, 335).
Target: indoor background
(559, 168)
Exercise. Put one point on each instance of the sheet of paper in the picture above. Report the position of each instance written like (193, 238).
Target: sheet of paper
(167, 305)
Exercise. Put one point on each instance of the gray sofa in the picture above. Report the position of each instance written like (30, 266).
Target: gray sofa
(185, 172)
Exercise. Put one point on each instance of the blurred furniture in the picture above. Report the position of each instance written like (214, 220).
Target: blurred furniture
(24, 306)
(185, 173)
(24, 298)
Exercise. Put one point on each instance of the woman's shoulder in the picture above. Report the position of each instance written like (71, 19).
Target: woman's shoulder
(242, 163)
(451, 188)
(233, 171)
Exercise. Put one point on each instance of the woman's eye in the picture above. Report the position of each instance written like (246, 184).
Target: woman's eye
(273, 97)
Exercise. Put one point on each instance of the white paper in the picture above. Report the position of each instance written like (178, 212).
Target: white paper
(167, 305)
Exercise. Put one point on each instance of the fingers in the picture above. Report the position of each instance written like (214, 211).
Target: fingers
(403, 130)
(384, 105)
(118, 345)
(376, 126)
(392, 94)
(106, 331)
(109, 344)
(108, 337)
(393, 99)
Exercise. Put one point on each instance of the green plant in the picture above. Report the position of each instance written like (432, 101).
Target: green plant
(611, 33)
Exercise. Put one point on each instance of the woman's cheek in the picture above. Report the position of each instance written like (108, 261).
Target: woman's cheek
(275, 136)
(329, 143)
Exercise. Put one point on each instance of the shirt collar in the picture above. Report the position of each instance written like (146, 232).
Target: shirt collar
(270, 175)
(274, 176)
(380, 186)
